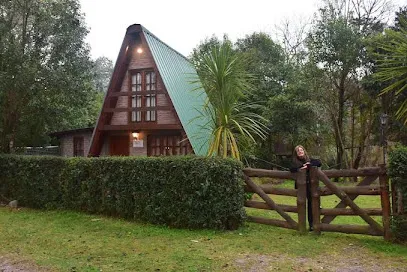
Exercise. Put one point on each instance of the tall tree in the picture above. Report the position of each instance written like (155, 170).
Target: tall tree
(45, 70)
(336, 46)
(267, 65)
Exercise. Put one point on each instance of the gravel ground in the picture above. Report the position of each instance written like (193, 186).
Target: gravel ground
(342, 263)
(10, 265)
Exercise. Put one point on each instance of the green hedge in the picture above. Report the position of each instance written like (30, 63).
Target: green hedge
(398, 175)
(186, 192)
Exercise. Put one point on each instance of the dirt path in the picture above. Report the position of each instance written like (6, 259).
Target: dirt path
(8, 264)
(352, 259)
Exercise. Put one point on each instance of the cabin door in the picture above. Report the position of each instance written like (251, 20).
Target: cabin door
(119, 145)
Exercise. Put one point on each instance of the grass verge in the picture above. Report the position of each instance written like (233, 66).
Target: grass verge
(70, 241)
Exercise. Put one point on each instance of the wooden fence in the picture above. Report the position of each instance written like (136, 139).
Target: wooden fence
(323, 217)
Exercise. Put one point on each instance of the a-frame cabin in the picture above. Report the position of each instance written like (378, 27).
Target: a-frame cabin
(151, 107)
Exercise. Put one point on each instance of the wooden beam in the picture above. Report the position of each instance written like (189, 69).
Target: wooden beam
(366, 181)
(119, 93)
(345, 198)
(316, 200)
(353, 229)
(361, 172)
(270, 189)
(141, 126)
(270, 202)
(269, 221)
(264, 206)
(116, 80)
(345, 211)
(353, 190)
(159, 108)
(253, 172)
(385, 199)
(301, 181)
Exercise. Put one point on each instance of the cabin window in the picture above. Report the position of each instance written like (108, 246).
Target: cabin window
(150, 103)
(144, 104)
(167, 145)
(136, 104)
(78, 149)
(136, 82)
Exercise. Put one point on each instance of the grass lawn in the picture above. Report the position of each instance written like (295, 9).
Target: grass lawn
(70, 241)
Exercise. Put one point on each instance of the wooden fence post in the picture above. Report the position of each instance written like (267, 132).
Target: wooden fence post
(316, 201)
(301, 201)
(385, 197)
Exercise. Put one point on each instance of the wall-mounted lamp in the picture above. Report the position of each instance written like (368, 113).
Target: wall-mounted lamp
(135, 135)
(139, 50)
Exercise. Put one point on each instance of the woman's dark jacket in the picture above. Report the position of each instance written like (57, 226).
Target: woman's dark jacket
(296, 166)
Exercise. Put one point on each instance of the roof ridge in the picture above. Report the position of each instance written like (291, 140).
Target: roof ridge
(155, 37)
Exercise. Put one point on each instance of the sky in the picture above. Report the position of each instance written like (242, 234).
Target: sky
(183, 24)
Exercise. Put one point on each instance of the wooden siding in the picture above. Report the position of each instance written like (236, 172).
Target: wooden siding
(144, 61)
(120, 118)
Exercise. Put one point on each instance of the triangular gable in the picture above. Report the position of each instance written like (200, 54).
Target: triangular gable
(177, 73)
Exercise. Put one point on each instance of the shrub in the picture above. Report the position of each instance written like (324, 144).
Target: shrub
(186, 192)
(398, 175)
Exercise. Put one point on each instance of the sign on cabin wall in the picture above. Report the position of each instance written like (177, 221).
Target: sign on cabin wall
(138, 143)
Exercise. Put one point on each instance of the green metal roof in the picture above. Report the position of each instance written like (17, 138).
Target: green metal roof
(188, 98)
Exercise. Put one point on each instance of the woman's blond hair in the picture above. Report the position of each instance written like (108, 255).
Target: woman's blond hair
(295, 156)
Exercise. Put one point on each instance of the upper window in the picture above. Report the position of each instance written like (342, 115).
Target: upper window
(143, 104)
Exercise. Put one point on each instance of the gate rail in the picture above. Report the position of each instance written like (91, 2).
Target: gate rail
(347, 195)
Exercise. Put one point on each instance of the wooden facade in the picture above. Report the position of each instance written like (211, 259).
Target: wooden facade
(138, 117)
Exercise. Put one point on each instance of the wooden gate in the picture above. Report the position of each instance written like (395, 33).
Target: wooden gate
(264, 190)
(347, 196)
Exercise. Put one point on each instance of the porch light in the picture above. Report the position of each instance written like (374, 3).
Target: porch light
(139, 50)
(135, 135)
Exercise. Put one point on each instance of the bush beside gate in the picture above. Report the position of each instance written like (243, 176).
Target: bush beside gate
(187, 192)
(398, 175)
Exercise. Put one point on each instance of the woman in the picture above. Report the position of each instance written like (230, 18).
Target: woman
(301, 160)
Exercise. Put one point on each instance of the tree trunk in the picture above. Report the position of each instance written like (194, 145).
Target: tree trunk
(340, 138)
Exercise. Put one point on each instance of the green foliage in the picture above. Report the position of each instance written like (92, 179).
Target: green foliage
(225, 81)
(103, 69)
(398, 175)
(391, 62)
(185, 192)
(45, 71)
(268, 65)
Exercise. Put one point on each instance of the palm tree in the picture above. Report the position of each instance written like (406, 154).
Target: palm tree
(392, 63)
(231, 122)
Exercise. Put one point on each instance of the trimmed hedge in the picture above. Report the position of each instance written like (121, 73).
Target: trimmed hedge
(185, 192)
(398, 175)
